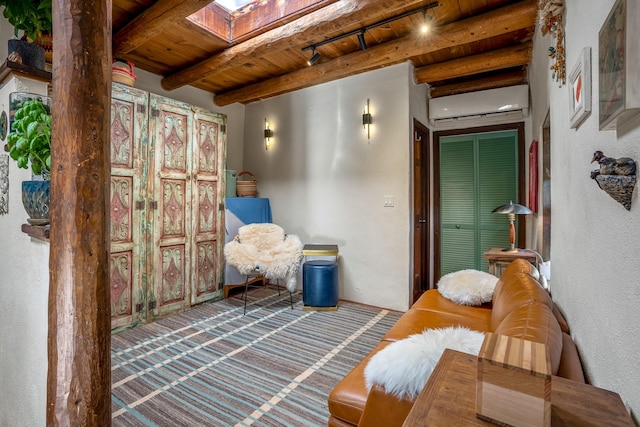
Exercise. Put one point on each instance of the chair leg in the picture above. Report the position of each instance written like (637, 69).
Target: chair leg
(246, 288)
(291, 299)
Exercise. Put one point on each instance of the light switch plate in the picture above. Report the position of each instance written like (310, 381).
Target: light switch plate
(388, 201)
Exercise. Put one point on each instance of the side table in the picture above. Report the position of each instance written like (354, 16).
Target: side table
(499, 259)
(449, 399)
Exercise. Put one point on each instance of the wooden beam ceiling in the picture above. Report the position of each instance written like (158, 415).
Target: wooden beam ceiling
(152, 21)
(510, 18)
(509, 78)
(311, 28)
(498, 59)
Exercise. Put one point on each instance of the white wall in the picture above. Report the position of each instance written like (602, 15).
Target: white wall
(24, 288)
(326, 182)
(595, 275)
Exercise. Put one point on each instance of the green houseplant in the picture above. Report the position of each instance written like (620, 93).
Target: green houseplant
(29, 145)
(34, 18)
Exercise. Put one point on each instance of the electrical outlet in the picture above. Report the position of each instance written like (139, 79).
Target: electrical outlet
(388, 201)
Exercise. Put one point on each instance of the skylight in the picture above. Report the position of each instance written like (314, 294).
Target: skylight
(233, 4)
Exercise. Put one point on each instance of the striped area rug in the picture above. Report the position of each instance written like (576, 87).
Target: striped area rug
(214, 366)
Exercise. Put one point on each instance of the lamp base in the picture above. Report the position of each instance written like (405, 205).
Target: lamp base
(512, 250)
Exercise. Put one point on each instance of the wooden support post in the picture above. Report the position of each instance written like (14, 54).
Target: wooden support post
(79, 374)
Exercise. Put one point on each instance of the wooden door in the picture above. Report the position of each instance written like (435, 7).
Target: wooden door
(421, 241)
(170, 127)
(208, 202)
(127, 207)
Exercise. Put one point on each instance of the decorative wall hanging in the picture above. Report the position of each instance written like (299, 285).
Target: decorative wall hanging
(619, 65)
(4, 184)
(617, 177)
(533, 176)
(580, 89)
(550, 13)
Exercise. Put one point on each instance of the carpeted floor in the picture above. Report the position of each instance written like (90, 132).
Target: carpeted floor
(212, 366)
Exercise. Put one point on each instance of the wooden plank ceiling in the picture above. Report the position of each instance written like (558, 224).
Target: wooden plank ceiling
(257, 51)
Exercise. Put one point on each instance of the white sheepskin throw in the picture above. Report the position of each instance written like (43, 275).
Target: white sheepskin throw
(265, 249)
(468, 287)
(403, 367)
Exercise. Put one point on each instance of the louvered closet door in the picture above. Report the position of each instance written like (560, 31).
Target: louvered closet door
(207, 200)
(457, 203)
(171, 124)
(478, 173)
(498, 178)
(127, 224)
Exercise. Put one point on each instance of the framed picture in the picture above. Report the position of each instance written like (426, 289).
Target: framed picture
(580, 89)
(619, 65)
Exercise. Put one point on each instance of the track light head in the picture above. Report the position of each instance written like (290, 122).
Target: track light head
(315, 57)
(362, 41)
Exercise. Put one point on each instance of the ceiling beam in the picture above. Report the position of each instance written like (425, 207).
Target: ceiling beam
(498, 59)
(510, 78)
(511, 18)
(308, 29)
(152, 22)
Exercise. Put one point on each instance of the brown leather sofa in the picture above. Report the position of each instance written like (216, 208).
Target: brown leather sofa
(520, 308)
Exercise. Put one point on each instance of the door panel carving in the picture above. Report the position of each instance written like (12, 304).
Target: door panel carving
(121, 286)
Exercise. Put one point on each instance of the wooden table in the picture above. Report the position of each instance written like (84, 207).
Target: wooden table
(449, 399)
(498, 258)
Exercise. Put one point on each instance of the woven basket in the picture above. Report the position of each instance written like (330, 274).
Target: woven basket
(122, 72)
(246, 188)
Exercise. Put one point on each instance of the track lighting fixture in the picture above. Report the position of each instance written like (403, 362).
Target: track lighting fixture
(362, 41)
(425, 23)
(360, 32)
(315, 57)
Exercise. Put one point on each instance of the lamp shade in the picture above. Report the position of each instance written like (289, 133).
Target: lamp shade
(513, 208)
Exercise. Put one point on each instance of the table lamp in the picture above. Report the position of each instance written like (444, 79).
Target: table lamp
(512, 209)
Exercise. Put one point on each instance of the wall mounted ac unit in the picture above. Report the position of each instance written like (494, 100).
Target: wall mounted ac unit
(480, 108)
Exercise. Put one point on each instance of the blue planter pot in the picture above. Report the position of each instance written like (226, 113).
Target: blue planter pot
(35, 198)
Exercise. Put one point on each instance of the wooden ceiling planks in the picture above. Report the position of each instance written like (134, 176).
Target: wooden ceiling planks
(186, 52)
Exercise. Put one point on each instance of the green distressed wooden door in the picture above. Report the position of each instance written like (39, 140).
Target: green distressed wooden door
(478, 172)
(127, 208)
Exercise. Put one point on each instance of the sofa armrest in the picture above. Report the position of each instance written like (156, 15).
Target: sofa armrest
(570, 364)
(384, 409)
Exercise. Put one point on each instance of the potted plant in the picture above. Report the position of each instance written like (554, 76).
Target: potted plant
(33, 17)
(29, 145)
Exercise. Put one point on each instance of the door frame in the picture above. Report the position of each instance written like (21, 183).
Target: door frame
(421, 210)
(519, 127)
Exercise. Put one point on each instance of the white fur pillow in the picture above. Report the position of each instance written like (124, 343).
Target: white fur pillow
(403, 367)
(468, 287)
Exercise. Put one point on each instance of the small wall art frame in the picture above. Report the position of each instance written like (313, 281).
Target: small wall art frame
(580, 89)
(619, 65)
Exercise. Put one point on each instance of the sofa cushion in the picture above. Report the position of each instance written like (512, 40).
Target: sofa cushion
(467, 287)
(433, 301)
(347, 399)
(416, 321)
(403, 367)
(535, 322)
(515, 290)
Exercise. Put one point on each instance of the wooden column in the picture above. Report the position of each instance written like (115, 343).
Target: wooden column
(79, 376)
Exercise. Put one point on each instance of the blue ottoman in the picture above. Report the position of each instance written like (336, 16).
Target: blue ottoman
(320, 285)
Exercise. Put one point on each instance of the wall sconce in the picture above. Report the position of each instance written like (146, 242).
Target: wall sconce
(367, 120)
(268, 134)
(512, 209)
